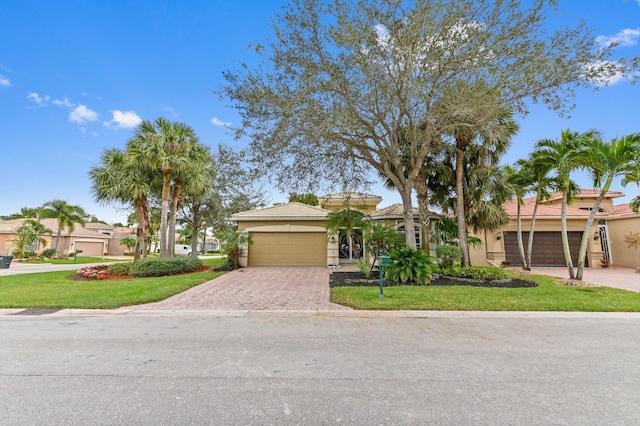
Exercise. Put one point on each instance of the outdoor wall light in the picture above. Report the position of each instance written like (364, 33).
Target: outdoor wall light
(499, 236)
(596, 236)
(333, 239)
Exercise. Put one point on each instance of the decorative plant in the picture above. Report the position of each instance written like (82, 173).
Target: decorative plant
(98, 272)
(232, 244)
(410, 265)
(448, 255)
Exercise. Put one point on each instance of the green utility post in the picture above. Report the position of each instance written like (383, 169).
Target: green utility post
(75, 255)
(384, 261)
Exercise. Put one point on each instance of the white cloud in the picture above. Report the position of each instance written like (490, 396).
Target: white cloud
(217, 122)
(4, 81)
(126, 119)
(37, 98)
(175, 114)
(82, 114)
(63, 102)
(626, 37)
(610, 72)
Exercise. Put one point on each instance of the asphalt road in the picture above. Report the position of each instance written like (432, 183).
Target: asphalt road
(318, 369)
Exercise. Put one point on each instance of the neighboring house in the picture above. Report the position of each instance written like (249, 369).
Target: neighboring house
(613, 233)
(93, 239)
(294, 234)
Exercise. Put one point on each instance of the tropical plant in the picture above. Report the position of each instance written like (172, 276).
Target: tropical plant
(28, 237)
(605, 162)
(67, 216)
(562, 157)
(130, 242)
(233, 243)
(407, 264)
(348, 220)
(123, 178)
(448, 255)
(381, 238)
(445, 231)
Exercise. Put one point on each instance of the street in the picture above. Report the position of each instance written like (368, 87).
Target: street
(318, 369)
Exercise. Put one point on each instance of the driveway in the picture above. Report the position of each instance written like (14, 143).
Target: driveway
(614, 276)
(264, 288)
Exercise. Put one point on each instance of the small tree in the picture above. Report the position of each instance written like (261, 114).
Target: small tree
(28, 237)
(232, 242)
(381, 237)
(129, 242)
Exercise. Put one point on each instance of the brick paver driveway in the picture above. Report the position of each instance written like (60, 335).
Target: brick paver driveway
(257, 288)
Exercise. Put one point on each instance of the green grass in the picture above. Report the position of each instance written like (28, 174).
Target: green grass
(69, 261)
(53, 290)
(548, 296)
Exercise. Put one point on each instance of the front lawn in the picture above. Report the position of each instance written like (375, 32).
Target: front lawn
(547, 296)
(53, 290)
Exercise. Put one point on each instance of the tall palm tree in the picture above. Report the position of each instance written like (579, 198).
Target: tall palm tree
(521, 180)
(472, 115)
(120, 180)
(66, 214)
(605, 162)
(562, 157)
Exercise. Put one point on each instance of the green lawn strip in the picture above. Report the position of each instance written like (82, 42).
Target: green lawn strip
(548, 296)
(79, 260)
(53, 290)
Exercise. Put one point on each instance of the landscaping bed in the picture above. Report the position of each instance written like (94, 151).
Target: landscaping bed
(356, 279)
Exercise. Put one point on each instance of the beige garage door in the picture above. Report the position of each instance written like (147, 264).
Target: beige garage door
(288, 249)
(89, 248)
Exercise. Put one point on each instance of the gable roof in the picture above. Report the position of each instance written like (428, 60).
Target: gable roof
(293, 211)
(9, 226)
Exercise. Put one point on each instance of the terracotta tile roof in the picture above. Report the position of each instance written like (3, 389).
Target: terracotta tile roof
(545, 210)
(394, 210)
(584, 193)
(296, 211)
(350, 196)
(623, 210)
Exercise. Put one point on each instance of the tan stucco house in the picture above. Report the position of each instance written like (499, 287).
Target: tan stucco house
(94, 239)
(613, 233)
(295, 234)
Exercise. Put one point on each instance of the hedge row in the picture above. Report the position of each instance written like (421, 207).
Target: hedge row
(158, 266)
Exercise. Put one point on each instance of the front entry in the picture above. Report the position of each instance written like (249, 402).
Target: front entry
(351, 248)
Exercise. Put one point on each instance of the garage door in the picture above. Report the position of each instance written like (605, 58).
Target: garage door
(288, 249)
(547, 248)
(90, 248)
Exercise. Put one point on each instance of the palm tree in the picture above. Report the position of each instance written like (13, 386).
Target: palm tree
(473, 115)
(521, 180)
(348, 220)
(122, 180)
(562, 157)
(605, 162)
(67, 216)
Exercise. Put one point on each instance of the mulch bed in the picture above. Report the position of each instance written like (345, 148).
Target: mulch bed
(350, 279)
(76, 277)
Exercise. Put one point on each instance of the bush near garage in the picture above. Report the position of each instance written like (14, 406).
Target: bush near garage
(157, 267)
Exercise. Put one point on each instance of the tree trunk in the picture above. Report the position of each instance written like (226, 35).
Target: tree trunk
(462, 226)
(196, 225)
(565, 237)
(175, 199)
(422, 192)
(586, 236)
(166, 192)
(523, 258)
(409, 228)
(531, 233)
(58, 236)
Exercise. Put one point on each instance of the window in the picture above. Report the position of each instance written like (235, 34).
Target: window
(418, 234)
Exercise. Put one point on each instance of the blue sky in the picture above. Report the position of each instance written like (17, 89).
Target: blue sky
(76, 76)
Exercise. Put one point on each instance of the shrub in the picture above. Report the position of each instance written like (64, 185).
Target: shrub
(120, 268)
(98, 272)
(157, 267)
(448, 255)
(476, 272)
(226, 266)
(232, 243)
(364, 267)
(49, 253)
(409, 265)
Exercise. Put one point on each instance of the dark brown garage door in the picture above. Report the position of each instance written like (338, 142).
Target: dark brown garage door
(547, 248)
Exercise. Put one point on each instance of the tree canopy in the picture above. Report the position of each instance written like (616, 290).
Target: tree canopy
(341, 79)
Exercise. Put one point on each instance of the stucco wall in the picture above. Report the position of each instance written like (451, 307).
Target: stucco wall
(623, 253)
